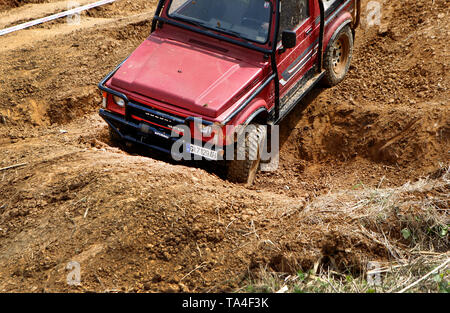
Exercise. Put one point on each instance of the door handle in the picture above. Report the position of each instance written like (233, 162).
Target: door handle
(308, 31)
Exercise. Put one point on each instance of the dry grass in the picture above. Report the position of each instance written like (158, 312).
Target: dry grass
(392, 278)
(409, 222)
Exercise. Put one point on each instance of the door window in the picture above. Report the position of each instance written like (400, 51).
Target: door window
(293, 13)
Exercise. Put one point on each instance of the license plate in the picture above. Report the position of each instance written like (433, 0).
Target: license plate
(203, 152)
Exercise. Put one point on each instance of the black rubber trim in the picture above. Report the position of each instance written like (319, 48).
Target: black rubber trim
(157, 13)
(211, 34)
(249, 99)
(321, 35)
(102, 86)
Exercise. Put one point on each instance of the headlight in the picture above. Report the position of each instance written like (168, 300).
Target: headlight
(119, 101)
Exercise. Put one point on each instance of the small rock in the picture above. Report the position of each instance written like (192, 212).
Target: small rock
(183, 287)
(175, 279)
(137, 275)
(166, 256)
(170, 288)
(383, 30)
(147, 286)
(157, 278)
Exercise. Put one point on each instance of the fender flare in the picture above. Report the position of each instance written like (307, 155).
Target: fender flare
(336, 32)
(256, 107)
(260, 110)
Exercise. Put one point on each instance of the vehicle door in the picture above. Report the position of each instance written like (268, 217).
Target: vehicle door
(295, 62)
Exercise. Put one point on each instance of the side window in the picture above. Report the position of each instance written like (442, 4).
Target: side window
(293, 13)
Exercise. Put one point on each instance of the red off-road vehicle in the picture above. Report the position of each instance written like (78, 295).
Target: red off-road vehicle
(212, 65)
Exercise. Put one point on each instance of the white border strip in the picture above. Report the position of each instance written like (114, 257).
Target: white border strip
(54, 17)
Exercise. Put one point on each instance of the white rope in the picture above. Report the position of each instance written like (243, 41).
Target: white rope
(54, 17)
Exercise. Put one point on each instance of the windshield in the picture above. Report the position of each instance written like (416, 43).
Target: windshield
(246, 19)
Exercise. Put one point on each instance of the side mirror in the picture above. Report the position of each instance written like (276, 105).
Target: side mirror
(288, 39)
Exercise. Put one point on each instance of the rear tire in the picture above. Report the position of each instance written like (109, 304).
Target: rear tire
(244, 171)
(338, 57)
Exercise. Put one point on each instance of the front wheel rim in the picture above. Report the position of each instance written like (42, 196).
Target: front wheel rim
(339, 55)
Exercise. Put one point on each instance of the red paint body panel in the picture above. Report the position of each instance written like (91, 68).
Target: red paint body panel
(185, 74)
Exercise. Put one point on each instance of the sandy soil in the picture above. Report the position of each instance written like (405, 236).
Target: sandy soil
(137, 221)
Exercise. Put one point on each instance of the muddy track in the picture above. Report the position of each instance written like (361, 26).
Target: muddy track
(137, 221)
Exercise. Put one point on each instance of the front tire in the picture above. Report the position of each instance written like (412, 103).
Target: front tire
(247, 156)
(338, 57)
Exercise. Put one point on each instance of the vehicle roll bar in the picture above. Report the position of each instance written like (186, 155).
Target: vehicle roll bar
(321, 35)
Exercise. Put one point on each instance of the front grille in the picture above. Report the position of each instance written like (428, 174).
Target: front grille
(167, 121)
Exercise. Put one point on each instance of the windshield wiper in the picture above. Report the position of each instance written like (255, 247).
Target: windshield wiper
(210, 27)
(230, 32)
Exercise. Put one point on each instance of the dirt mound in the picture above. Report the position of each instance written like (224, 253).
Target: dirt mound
(8, 4)
(161, 239)
(118, 217)
(403, 136)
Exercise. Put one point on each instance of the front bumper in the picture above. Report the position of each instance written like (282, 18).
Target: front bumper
(151, 136)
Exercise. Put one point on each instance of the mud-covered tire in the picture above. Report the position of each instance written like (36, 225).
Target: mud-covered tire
(338, 57)
(244, 171)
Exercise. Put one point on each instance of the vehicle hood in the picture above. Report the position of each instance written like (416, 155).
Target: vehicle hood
(185, 74)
